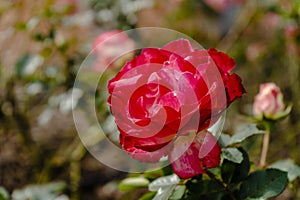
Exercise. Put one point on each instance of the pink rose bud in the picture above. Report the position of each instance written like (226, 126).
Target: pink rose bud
(112, 49)
(269, 103)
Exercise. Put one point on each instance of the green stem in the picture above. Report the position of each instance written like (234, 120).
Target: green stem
(265, 147)
(75, 177)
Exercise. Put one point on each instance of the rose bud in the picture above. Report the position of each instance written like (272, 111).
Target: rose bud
(112, 49)
(268, 103)
(164, 94)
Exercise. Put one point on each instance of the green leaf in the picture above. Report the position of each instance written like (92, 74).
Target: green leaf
(224, 140)
(233, 172)
(283, 114)
(132, 183)
(167, 170)
(148, 196)
(3, 194)
(205, 189)
(211, 196)
(263, 184)
(39, 192)
(288, 166)
(163, 182)
(164, 186)
(163, 193)
(239, 137)
(153, 174)
(178, 192)
(232, 154)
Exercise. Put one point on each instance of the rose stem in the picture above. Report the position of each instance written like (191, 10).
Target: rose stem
(266, 141)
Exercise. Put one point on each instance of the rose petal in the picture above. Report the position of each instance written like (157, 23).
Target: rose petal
(222, 60)
(234, 88)
(147, 149)
(180, 47)
(203, 152)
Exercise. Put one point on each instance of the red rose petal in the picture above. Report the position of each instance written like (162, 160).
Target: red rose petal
(222, 60)
(181, 47)
(203, 152)
(148, 149)
(234, 88)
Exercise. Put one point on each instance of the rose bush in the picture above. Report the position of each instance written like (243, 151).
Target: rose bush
(164, 94)
(269, 103)
(112, 48)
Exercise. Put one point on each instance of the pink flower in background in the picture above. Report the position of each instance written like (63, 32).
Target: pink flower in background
(221, 5)
(291, 30)
(269, 23)
(255, 50)
(269, 103)
(112, 49)
(162, 95)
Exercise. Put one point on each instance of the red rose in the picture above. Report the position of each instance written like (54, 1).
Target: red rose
(164, 94)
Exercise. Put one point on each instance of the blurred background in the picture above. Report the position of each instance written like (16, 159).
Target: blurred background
(43, 44)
